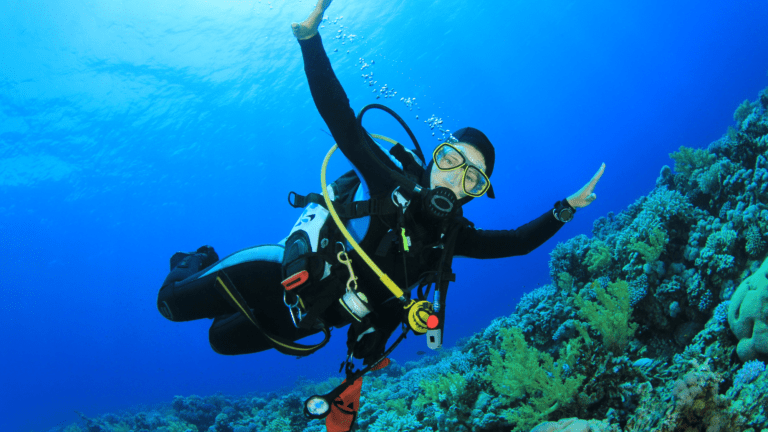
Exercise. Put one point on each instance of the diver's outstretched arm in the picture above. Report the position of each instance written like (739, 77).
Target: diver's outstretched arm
(308, 28)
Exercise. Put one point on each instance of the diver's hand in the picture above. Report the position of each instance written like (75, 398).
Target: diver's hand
(308, 28)
(585, 195)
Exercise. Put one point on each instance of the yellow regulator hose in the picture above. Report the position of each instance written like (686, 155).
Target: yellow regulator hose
(382, 276)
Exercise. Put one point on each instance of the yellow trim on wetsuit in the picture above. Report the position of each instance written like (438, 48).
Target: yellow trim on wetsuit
(249, 315)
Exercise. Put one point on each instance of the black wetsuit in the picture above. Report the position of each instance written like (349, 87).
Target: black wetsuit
(189, 294)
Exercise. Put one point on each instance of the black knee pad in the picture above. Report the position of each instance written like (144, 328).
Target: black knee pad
(235, 334)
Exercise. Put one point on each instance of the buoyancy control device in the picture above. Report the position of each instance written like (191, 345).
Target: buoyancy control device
(316, 248)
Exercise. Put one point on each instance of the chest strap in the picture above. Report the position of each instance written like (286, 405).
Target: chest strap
(350, 210)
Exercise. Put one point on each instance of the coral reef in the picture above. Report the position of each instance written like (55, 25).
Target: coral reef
(645, 326)
(525, 372)
(748, 315)
(575, 425)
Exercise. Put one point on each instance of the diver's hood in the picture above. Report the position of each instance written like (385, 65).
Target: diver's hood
(478, 140)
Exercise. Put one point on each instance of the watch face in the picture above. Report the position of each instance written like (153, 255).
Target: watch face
(566, 215)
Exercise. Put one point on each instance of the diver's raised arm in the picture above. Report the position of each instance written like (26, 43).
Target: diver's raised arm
(333, 105)
(308, 28)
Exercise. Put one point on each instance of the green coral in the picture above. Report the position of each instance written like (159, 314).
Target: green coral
(565, 281)
(398, 406)
(445, 387)
(598, 257)
(651, 251)
(524, 371)
(687, 160)
(609, 315)
(743, 111)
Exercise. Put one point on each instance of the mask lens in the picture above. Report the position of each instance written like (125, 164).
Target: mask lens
(448, 158)
(475, 182)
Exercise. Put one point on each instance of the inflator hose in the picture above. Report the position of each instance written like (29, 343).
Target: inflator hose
(389, 283)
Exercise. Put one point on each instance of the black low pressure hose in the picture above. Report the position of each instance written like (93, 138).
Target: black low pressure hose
(409, 186)
(399, 119)
(440, 202)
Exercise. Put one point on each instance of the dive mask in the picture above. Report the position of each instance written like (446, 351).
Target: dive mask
(473, 180)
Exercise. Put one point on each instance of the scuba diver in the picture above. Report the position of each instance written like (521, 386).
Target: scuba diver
(389, 227)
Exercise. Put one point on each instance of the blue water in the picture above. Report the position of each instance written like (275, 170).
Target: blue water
(131, 130)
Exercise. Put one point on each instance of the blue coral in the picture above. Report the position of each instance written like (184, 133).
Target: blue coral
(705, 302)
(748, 372)
(721, 312)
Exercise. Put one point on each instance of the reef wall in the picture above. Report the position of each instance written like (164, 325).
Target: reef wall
(658, 322)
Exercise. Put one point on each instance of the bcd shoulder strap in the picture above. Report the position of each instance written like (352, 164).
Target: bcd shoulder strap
(345, 186)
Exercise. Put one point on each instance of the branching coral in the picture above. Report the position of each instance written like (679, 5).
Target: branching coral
(687, 160)
(717, 253)
(743, 111)
(755, 243)
(523, 371)
(449, 386)
(609, 315)
(598, 257)
(651, 251)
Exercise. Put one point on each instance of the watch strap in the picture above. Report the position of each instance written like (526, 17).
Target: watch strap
(563, 211)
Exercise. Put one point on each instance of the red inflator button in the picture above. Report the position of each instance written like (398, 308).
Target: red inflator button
(432, 322)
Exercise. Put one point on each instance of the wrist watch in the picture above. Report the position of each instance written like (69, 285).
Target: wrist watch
(563, 211)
